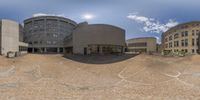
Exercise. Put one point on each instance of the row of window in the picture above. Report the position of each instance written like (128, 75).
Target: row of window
(49, 22)
(183, 34)
(139, 44)
(187, 26)
(186, 50)
(22, 48)
(184, 43)
(42, 42)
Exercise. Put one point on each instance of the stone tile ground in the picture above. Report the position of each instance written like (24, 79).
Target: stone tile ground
(142, 77)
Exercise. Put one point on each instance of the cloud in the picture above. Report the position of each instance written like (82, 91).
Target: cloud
(43, 14)
(152, 25)
(158, 39)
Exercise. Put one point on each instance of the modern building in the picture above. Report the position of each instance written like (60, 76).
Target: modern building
(142, 45)
(98, 39)
(11, 37)
(183, 37)
(46, 34)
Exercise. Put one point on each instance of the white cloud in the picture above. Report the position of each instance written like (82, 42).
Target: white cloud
(158, 39)
(43, 14)
(152, 25)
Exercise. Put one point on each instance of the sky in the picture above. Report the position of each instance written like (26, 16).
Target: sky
(140, 18)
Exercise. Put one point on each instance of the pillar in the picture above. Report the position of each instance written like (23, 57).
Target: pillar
(33, 51)
(64, 51)
(45, 50)
(58, 50)
(100, 50)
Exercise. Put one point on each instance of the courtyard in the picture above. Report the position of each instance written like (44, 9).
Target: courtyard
(122, 77)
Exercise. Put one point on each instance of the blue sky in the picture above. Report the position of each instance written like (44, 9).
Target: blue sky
(158, 12)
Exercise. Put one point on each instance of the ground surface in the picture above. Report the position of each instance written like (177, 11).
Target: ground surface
(142, 77)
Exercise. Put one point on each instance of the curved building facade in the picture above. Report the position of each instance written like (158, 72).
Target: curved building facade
(142, 45)
(98, 39)
(46, 34)
(183, 37)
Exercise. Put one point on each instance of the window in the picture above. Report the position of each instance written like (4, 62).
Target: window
(182, 43)
(48, 42)
(186, 33)
(30, 43)
(35, 42)
(55, 35)
(192, 50)
(182, 34)
(197, 40)
(176, 36)
(197, 32)
(166, 39)
(192, 42)
(170, 38)
(176, 44)
(170, 45)
(166, 45)
(192, 32)
(186, 50)
(186, 42)
(22, 48)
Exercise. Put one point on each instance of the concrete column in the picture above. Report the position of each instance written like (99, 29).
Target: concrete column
(33, 51)
(58, 50)
(45, 50)
(100, 49)
(64, 50)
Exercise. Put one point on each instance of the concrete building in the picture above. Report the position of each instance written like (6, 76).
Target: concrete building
(183, 37)
(98, 39)
(11, 37)
(46, 34)
(142, 45)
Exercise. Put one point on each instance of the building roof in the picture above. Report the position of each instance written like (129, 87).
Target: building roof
(180, 25)
(141, 38)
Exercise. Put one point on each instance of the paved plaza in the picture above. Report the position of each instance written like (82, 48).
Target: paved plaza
(125, 77)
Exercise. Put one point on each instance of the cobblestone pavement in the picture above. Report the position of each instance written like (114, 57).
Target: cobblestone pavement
(143, 77)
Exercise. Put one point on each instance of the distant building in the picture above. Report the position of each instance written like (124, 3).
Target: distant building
(46, 34)
(53, 34)
(98, 39)
(11, 38)
(182, 38)
(142, 45)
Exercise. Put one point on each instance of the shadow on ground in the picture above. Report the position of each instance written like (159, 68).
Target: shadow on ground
(99, 59)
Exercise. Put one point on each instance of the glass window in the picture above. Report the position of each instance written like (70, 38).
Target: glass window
(186, 33)
(192, 32)
(176, 36)
(170, 38)
(182, 34)
(186, 42)
(170, 45)
(192, 50)
(193, 42)
(186, 50)
(176, 44)
(182, 43)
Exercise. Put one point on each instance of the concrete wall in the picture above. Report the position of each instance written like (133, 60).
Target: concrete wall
(86, 34)
(10, 37)
(151, 43)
